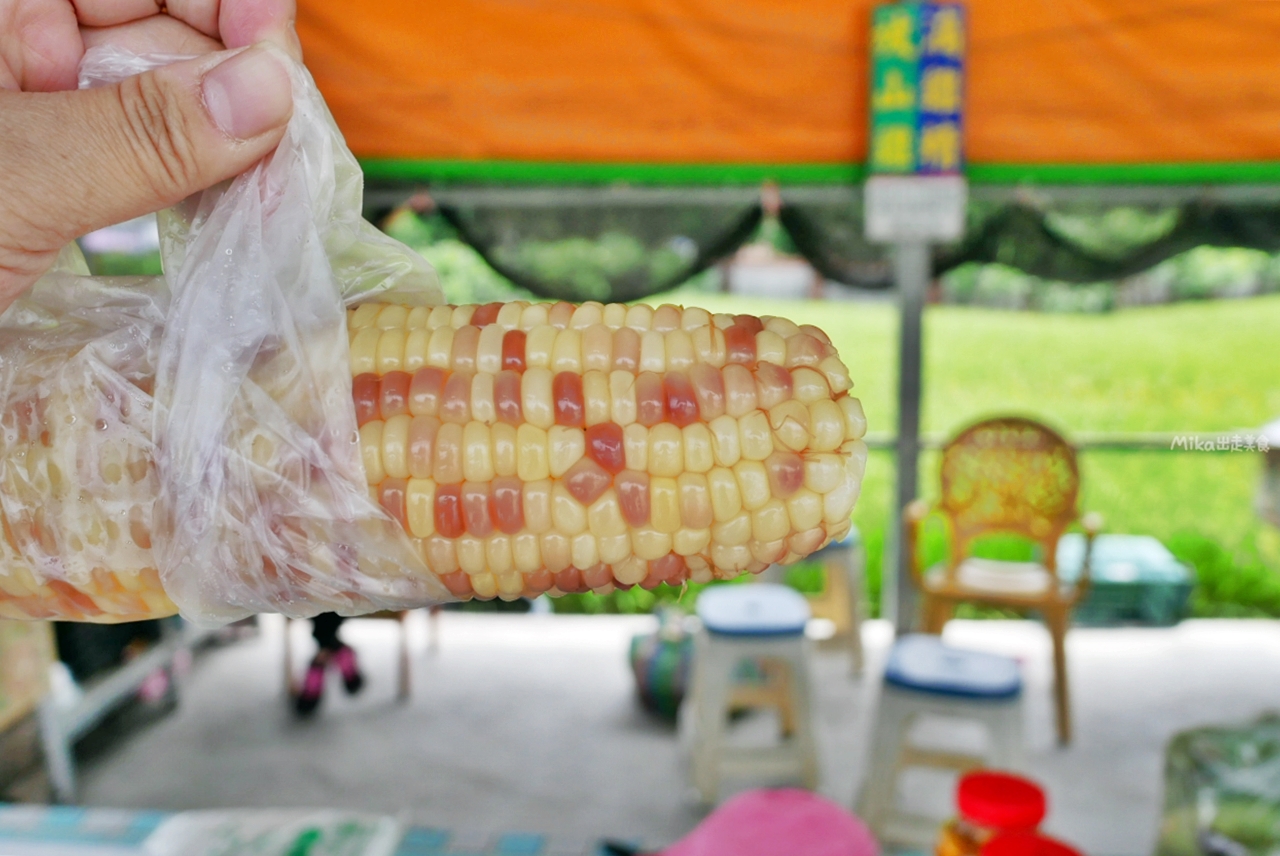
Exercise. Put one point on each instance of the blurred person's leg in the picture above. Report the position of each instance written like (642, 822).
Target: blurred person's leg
(329, 648)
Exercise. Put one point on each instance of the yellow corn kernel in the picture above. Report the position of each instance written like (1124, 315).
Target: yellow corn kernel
(693, 318)
(733, 532)
(371, 451)
(790, 423)
(614, 316)
(533, 315)
(836, 373)
(640, 317)
(566, 353)
(586, 315)
(604, 517)
(630, 571)
(568, 517)
(535, 397)
(471, 557)
(584, 551)
(767, 552)
(364, 315)
(440, 348)
(666, 450)
(509, 315)
(695, 501)
(756, 436)
(771, 348)
(729, 560)
(809, 386)
(462, 315)
(664, 504)
(726, 498)
(477, 453)
(556, 552)
(823, 472)
(855, 419)
(770, 522)
(597, 348)
(753, 484)
(532, 459)
(537, 506)
(635, 447)
(689, 542)
(709, 344)
(505, 457)
(393, 317)
(614, 548)
(497, 554)
(653, 352)
(726, 440)
(666, 318)
(826, 426)
(417, 317)
(415, 348)
(595, 396)
(649, 544)
(364, 351)
(440, 554)
(489, 349)
(837, 504)
(484, 585)
(721, 320)
(440, 316)
(565, 447)
(420, 507)
(482, 406)
(395, 446)
(525, 553)
(698, 456)
(448, 451)
(679, 351)
(805, 508)
(784, 328)
(622, 392)
(510, 585)
(538, 346)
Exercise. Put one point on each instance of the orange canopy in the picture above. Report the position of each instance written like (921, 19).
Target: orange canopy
(783, 82)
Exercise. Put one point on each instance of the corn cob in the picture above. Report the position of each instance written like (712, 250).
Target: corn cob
(532, 448)
(525, 448)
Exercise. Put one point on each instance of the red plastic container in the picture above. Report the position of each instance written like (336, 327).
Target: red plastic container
(1027, 844)
(991, 803)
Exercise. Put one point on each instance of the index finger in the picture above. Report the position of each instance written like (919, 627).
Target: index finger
(235, 23)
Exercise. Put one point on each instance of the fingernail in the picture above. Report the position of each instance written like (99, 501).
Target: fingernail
(248, 94)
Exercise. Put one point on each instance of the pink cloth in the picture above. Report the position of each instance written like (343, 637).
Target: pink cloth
(777, 823)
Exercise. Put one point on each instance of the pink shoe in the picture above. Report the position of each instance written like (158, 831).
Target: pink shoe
(312, 689)
(352, 679)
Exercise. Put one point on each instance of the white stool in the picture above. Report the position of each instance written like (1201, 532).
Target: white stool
(924, 677)
(763, 623)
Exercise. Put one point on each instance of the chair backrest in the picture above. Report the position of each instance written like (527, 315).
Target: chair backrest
(1009, 475)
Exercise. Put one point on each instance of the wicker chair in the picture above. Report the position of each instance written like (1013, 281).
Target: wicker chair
(1009, 476)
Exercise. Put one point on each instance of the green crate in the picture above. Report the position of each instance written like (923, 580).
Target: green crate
(1136, 580)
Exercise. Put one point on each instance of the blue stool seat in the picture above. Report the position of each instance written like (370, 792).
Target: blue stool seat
(762, 609)
(922, 663)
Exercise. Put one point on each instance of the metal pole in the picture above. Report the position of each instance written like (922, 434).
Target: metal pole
(911, 271)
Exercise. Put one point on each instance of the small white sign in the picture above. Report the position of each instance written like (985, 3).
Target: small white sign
(915, 207)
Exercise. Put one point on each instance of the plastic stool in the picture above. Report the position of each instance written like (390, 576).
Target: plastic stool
(763, 623)
(926, 677)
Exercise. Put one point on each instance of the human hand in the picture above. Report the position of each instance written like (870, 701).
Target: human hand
(74, 161)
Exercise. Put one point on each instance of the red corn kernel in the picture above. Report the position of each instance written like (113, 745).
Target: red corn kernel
(560, 315)
(422, 439)
(394, 394)
(425, 390)
(513, 342)
(604, 445)
(449, 510)
(506, 504)
(475, 509)
(708, 386)
(458, 583)
(365, 394)
(597, 576)
(633, 496)
(668, 567)
(391, 494)
(786, 473)
(666, 318)
(586, 480)
(804, 350)
(566, 393)
(538, 581)
(485, 315)
(465, 342)
(773, 385)
(455, 402)
(740, 342)
(569, 580)
(626, 350)
(751, 322)
(682, 403)
(651, 407)
(506, 397)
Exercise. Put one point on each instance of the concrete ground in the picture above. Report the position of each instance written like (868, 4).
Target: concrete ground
(529, 723)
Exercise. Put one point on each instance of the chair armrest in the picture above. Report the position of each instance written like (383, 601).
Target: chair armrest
(912, 516)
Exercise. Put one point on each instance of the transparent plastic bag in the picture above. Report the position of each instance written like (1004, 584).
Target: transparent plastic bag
(188, 442)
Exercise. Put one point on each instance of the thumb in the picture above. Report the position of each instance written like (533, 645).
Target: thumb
(72, 162)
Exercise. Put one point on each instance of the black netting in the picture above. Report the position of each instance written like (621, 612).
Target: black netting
(605, 252)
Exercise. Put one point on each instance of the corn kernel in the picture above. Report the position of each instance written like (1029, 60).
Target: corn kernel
(533, 461)
(653, 352)
(489, 350)
(477, 453)
(698, 455)
(666, 450)
(471, 557)
(584, 551)
(726, 498)
(556, 552)
(790, 423)
(420, 504)
(756, 436)
(566, 353)
(823, 472)
(395, 446)
(526, 556)
(483, 408)
(855, 419)
(461, 316)
(595, 397)
(649, 544)
(664, 504)
(440, 316)
(364, 315)
(417, 317)
(485, 586)
(537, 505)
(565, 446)
(770, 522)
(753, 484)
(505, 457)
(709, 345)
(597, 349)
(690, 542)
(604, 517)
(415, 348)
(726, 440)
(536, 399)
(767, 552)
(371, 452)
(680, 353)
(770, 348)
(635, 447)
(695, 501)
(538, 347)
(630, 571)
(567, 514)
(739, 391)
(614, 548)
(364, 351)
(733, 532)
(809, 385)
(826, 425)
(622, 392)
(640, 317)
